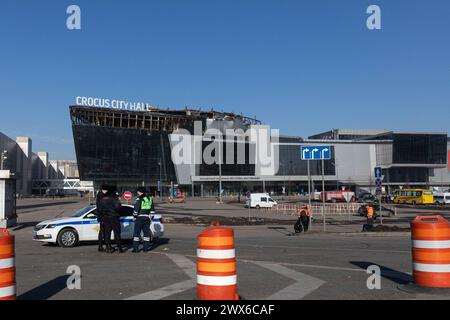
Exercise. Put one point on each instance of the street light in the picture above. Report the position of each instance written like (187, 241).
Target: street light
(220, 171)
(284, 177)
(160, 178)
(3, 157)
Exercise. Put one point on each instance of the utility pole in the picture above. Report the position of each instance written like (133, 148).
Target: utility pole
(160, 178)
(309, 184)
(323, 193)
(220, 172)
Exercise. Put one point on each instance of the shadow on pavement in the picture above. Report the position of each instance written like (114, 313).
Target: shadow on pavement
(25, 225)
(46, 204)
(159, 242)
(46, 290)
(388, 273)
(282, 230)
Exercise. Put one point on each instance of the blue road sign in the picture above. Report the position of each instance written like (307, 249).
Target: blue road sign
(158, 183)
(316, 153)
(378, 172)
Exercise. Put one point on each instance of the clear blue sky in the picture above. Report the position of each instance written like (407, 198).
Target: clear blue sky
(300, 66)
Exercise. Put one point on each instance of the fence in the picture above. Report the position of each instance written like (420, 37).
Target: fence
(329, 208)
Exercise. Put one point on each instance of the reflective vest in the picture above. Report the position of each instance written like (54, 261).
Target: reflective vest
(369, 212)
(146, 203)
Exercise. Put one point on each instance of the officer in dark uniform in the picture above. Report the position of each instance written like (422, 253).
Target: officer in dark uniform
(142, 212)
(108, 205)
(101, 232)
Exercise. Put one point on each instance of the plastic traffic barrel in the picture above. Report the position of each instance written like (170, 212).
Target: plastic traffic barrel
(7, 266)
(216, 264)
(431, 251)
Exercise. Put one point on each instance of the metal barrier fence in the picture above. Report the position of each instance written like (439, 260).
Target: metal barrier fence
(329, 208)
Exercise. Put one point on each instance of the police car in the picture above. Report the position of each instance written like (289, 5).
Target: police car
(83, 226)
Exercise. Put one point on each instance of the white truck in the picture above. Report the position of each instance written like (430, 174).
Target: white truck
(260, 200)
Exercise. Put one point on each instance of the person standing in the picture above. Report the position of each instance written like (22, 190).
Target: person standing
(305, 216)
(100, 213)
(369, 225)
(108, 206)
(142, 212)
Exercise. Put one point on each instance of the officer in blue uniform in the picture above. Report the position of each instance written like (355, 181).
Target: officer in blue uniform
(142, 212)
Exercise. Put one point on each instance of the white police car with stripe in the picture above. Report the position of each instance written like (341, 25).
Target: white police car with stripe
(83, 226)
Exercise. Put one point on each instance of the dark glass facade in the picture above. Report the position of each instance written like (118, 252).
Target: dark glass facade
(420, 148)
(230, 168)
(117, 154)
(406, 175)
(291, 163)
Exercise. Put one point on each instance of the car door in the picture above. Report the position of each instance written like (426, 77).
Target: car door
(271, 203)
(90, 227)
(126, 222)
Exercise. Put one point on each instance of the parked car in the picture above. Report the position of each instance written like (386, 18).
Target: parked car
(366, 197)
(83, 226)
(386, 212)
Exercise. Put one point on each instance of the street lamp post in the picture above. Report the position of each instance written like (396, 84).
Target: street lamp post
(3, 157)
(160, 178)
(220, 172)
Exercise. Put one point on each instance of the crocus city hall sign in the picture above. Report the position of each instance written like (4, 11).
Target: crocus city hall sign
(114, 104)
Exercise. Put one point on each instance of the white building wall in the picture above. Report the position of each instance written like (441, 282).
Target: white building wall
(25, 155)
(355, 163)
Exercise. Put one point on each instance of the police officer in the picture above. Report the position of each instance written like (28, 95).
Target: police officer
(100, 213)
(142, 212)
(108, 205)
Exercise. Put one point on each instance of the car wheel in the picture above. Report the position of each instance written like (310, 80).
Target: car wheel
(67, 238)
(413, 203)
(257, 206)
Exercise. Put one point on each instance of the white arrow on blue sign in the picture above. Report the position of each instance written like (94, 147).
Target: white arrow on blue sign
(316, 153)
(378, 172)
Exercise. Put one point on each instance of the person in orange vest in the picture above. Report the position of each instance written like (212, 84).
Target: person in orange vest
(305, 216)
(302, 223)
(369, 213)
(298, 226)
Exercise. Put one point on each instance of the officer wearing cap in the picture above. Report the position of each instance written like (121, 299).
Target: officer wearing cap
(142, 212)
(100, 212)
(108, 205)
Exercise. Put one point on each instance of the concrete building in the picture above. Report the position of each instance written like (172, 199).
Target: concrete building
(29, 169)
(17, 159)
(40, 165)
(25, 163)
(132, 148)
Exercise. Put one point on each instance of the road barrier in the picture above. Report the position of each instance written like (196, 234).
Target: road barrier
(7, 266)
(431, 251)
(216, 264)
(329, 208)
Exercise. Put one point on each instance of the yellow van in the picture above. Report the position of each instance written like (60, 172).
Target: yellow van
(413, 196)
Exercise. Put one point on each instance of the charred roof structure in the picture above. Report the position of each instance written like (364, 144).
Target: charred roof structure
(153, 120)
(130, 147)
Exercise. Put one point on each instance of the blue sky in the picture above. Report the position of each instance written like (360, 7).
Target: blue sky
(302, 66)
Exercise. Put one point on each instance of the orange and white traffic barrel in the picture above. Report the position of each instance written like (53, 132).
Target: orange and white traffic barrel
(216, 264)
(431, 251)
(7, 266)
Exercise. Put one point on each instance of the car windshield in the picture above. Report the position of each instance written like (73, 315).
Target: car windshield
(81, 212)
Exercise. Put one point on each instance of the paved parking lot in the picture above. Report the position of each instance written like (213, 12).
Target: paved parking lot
(272, 262)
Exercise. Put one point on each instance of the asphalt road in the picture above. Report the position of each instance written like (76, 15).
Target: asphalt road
(272, 262)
